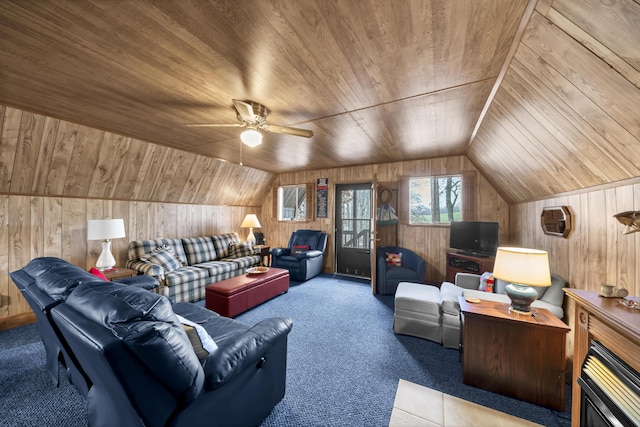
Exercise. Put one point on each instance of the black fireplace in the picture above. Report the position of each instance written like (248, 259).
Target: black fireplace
(610, 390)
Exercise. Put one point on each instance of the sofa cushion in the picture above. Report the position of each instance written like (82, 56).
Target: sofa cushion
(394, 259)
(201, 341)
(137, 248)
(146, 324)
(554, 294)
(164, 257)
(199, 249)
(449, 294)
(223, 243)
(298, 249)
(57, 278)
(239, 250)
(219, 268)
(185, 274)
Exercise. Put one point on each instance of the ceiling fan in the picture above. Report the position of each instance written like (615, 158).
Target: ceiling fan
(253, 117)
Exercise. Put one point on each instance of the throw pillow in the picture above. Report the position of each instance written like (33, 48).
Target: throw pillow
(394, 259)
(298, 249)
(164, 257)
(241, 249)
(98, 274)
(201, 341)
(486, 282)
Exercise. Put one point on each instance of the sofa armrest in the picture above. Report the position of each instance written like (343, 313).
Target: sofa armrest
(142, 281)
(280, 251)
(468, 280)
(245, 349)
(146, 267)
(309, 254)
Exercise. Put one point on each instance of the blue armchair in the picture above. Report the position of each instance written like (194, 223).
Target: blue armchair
(407, 267)
(303, 256)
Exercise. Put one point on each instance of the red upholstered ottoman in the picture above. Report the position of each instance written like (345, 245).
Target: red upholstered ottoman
(236, 295)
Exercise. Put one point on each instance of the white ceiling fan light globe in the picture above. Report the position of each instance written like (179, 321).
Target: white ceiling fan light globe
(251, 137)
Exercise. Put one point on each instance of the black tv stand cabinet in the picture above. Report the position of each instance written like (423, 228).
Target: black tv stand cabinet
(462, 263)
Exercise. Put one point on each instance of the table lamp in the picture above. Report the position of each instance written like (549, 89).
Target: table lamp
(105, 229)
(522, 268)
(251, 222)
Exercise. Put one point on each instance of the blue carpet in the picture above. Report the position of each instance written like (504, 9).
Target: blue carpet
(344, 364)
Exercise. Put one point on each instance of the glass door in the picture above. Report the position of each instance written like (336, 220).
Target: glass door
(353, 229)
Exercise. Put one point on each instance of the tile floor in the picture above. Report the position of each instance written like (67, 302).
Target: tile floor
(419, 406)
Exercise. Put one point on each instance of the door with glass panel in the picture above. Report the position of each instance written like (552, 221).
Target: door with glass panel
(353, 229)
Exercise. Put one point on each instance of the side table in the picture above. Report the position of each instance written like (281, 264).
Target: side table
(513, 354)
(263, 251)
(119, 273)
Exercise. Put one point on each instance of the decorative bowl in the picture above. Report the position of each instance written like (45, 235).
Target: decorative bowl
(257, 270)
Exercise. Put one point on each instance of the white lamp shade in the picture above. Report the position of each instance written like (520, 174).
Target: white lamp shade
(251, 137)
(250, 221)
(103, 229)
(522, 266)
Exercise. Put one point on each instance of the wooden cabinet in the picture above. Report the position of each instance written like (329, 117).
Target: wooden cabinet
(460, 263)
(607, 321)
(516, 355)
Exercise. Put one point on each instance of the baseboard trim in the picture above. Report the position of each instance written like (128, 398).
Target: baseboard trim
(17, 320)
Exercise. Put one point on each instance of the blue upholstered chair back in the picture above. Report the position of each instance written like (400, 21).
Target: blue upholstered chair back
(315, 239)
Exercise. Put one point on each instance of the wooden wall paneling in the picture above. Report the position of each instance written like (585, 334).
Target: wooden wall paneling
(37, 227)
(74, 231)
(170, 214)
(120, 209)
(130, 158)
(597, 241)
(625, 255)
(636, 239)
(27, 149)
(611, 235)
(615, 95)
(5, 282)
(59, 160)
(597, 17)
(19, 234)
(107, 170)
(8, 144)
(45, 154)
(83, 161)
(52, 226)
(577, 116)
(152, 175)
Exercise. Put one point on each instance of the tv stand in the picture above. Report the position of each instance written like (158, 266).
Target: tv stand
(463, 263)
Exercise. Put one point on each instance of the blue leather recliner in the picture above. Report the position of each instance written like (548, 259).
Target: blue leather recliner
(388, 275)
(307, 262)
(140, 364)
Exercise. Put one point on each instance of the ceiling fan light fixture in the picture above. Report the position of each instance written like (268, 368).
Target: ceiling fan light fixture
(251, 137)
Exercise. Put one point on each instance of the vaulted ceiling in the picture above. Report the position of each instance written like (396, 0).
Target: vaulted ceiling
(542, 101)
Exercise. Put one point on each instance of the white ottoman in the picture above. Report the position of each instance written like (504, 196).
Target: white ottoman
(417, 311)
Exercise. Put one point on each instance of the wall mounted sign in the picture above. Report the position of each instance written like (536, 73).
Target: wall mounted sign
(322, 198)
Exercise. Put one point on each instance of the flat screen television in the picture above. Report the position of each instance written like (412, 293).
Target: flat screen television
(474, 237)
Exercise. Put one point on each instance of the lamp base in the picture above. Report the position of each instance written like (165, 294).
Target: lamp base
(106, 260)
(521, 297)
(251, 238)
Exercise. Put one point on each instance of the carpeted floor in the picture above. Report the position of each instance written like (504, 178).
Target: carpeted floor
(344, 364)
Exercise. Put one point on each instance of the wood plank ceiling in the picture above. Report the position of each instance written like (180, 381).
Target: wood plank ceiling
(377, 81)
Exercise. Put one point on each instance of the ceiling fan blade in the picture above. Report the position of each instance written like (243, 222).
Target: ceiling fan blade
(215, 125)
(287, 130)
(245, 110)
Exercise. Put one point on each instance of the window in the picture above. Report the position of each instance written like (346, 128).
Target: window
(435, 199)
(293, 203)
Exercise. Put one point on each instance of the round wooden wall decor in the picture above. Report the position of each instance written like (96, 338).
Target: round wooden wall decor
(384, 195)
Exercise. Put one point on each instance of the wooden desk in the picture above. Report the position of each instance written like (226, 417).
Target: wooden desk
(516, 355)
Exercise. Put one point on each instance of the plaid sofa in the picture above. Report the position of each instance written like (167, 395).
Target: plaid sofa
(185, 266)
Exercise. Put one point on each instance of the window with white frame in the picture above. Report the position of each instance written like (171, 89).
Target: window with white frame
(292, 203)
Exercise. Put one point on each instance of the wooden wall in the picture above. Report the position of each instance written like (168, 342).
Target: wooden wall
(565, 116)
(33, 226)
(596, 251)
(430, 242)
